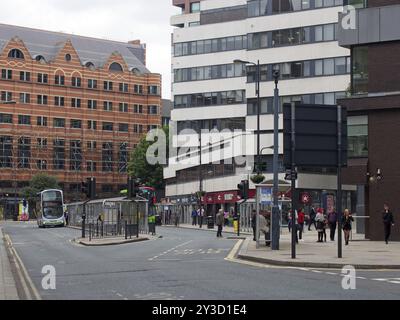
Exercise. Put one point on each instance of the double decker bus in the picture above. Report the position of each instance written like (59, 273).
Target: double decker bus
(50, 209)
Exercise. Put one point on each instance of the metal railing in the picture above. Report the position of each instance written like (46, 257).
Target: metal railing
(118, 217)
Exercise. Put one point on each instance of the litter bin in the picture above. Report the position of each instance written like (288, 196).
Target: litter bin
(236, 224)
(210, 222)
(158, 220)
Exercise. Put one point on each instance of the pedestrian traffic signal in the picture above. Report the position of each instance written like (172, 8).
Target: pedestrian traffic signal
(133, 188)
(244, 189)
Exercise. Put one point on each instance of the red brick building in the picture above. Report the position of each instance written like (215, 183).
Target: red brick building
(72, 107)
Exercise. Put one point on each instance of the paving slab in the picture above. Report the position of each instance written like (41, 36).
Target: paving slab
(8, 289)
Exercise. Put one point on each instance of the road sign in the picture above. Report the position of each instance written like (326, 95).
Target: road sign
(316, 134)
(289, 174)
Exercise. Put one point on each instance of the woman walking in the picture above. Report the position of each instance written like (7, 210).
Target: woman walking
(346, 225)
(320, 220)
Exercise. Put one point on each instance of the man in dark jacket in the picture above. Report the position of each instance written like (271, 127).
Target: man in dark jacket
(220, 222)
(332, 221)
(388, 221)
(313, 214)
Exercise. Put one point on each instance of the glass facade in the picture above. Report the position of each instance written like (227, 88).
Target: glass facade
(360, 74)
(358, 137)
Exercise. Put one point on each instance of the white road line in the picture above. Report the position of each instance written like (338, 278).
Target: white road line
(379, 280)
(362, 278)
(395, 282)
(172, 249)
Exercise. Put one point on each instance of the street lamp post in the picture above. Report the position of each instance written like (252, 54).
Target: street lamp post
(275, 209)
(258, 80)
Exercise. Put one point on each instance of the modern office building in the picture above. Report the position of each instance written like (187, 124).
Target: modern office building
(72, 107)
(374, 111)
(210, 91)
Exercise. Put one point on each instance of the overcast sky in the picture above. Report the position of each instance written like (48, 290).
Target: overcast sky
(121, 20)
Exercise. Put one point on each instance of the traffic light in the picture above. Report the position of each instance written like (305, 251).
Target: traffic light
(133, 188)
(244, 189)
(89, 188)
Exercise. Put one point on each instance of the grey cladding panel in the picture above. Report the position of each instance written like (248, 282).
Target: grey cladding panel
(367, 21)
(390, 23)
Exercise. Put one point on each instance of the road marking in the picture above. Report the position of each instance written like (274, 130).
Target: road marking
(172, 249)
(395, 282)
(23, 273)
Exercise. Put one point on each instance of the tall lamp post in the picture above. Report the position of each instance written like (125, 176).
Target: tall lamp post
(258, 79)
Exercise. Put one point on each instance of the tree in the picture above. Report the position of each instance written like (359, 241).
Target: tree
(138, 166)
(37, 184)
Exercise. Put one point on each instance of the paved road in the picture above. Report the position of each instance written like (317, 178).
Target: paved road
(184, 264)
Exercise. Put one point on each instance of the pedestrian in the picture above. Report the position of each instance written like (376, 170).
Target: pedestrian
(332, 222)
(66, 216)
(254, 224)
(220, 222)
(200, 216)
(300, 222)
(388, 221)
(194, 217)
(226, 218)
(311, 221)
(265, 228)
(346, 225)
(320, 224)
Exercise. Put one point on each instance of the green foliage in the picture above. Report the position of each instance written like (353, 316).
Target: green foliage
(257, 179)
(138, 167)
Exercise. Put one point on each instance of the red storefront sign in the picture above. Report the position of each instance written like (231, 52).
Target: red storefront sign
(225, 197)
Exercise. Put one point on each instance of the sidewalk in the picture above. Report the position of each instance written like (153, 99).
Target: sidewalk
(360, 254)
(8, 290)
(229, 230)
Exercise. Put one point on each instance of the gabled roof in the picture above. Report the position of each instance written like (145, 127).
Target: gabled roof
(97, 51)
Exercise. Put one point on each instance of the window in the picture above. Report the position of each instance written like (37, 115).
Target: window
(319, 67)
(68, 57)
(59, 101)
(124, 87)
(329, 32)
(329, 67)
(41, 121)
(116, 67)
(42, 99)
(108, 126)
(138, 108)
(108, 85)
(107, 157)
(59, 154)
(357, 136)
(138, 89)
(24, 152)
(91, 166)
(76, 103)
(76, 124)
(92, 145)
(41, 164)
(92, 125)
(92, 84)
(92, 104)
(138, 128)
(43, 78)
(360, 73)
(194, 7)
(153, 90)
(6, 74)
(6, 96)
(123, 157)
(59, 80)
(76, 82)
(6, 152)
(209, 99)
(24, 120)
(340, 65)
(123, 107)
(16, 54)
(58, 123)
(152, 109)
(42, 143)
(123, 127)
(5, 118)
(25, 76)
(24, 98)
(107, 106)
